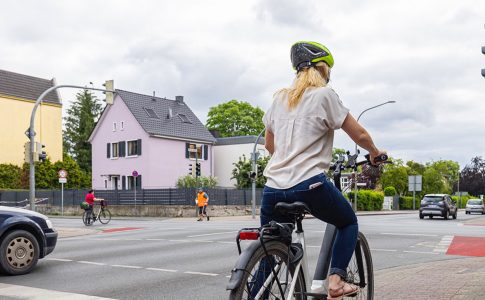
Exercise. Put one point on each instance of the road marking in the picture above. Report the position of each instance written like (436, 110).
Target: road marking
(162, 270)
(128, 267)
(443, 245)
(183, 241)
(227, 232)
(91, 263)
(58, 259)
(408, 234)
(421, 252)
(24, 292)
(120, 229)
(386, 250)
(156, 239)
(200, 273)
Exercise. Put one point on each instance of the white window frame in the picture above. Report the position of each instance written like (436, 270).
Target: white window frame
(344, 182)
(198, 147)
(127, 149)
(117, 151)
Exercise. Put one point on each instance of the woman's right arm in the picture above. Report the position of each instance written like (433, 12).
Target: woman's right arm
(360, 136)
(269, 141)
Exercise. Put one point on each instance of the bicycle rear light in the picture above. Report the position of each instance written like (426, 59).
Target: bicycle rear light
(248, 235)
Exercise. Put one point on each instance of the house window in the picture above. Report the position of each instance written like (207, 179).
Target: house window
(344, 181)
(106, 184)
(192, 153)
(130, 183)
(122, 125)
(184, 118)
(132, 148)
(151, 113)
(114, 150)
(114, 126)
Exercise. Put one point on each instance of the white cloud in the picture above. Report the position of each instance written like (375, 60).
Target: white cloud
(423, 54)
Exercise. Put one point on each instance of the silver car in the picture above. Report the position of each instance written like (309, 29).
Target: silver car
(475, 205)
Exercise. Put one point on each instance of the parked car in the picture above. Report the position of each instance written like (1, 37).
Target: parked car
(439, 205)
(475, 205)
(25, 236)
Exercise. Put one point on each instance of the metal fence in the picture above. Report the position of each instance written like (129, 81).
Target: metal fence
(167, 196)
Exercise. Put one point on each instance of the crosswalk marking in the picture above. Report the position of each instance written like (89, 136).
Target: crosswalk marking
(24, 292)
(443, 245)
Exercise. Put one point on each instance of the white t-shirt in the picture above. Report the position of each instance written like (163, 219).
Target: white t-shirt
(303, 137)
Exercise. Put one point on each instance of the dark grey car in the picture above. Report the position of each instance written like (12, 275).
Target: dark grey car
(438, 205)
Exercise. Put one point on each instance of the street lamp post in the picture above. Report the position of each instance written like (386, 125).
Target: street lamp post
(354, 173)
(253, 180)
(31, 135)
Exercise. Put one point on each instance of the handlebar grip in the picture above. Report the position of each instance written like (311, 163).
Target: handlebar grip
(378, 159)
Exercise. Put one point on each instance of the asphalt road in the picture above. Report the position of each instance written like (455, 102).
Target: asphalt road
(185, 259)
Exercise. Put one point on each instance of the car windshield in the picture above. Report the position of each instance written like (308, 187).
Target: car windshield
(433, 199)
(475, 202)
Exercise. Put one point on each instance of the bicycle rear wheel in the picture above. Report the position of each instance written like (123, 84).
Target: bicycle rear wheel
(104, 216)
(365, 278)
(87, 218)
(259, 278)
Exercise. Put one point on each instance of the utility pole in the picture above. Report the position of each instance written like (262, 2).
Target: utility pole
(31, 130)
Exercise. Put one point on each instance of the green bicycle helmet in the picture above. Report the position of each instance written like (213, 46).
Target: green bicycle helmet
(305, 54)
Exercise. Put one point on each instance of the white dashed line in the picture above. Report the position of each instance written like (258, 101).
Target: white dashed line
(58, 259)
(200, 273)
(407, 234)
(128, 267)
(91, 263)
(385, 250)
(443, 245)
(421, 252)
(161, 270)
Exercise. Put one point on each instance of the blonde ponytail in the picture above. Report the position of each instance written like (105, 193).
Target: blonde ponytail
(309, 77)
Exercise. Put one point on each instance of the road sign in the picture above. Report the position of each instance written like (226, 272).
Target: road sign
(415, 183)
(62, 173)
(134, 173)
(62, 180)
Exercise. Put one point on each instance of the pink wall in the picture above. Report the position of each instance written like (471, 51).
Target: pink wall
(162, 160)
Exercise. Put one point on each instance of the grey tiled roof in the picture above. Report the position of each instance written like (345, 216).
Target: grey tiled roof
(163, 125)
(234, 140)
(26, 87)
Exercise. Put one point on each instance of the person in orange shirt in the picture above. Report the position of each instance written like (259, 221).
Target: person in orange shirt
(201, 201)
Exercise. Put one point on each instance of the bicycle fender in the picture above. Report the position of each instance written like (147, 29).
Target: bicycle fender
(237, 272)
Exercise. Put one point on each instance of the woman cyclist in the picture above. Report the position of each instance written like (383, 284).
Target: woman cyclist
(300, 127)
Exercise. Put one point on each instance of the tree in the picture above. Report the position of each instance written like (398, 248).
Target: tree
(235, 118)
(79, 123)
(244, 167)
(395, 175)
(473, 177)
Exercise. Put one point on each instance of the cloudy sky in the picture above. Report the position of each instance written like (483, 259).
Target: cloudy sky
(425, 55)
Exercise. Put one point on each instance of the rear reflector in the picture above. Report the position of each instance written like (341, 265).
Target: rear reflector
(248, 235)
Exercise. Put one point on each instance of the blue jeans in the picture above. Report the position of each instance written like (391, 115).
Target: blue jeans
(325, 203)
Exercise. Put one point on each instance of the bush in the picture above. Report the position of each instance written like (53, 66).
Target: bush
(390, 191)
(368, 200)
(188, 181)
(10, 176)
(464, 199)
(406, 202)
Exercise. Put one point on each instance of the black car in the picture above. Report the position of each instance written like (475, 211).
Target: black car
(25, 236)
(438, 205)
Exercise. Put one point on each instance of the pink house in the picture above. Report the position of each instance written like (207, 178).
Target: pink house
(151, 137)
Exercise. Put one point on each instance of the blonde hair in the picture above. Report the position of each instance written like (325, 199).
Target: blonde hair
(316, 76)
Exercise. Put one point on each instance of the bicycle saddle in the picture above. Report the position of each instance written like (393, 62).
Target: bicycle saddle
(295, 208)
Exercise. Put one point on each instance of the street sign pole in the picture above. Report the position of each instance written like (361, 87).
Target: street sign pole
(62, 179)
(62, 199)
(135, 175)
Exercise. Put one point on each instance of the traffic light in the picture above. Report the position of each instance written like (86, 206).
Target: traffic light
(191, 169)
(42, 155)
(197, 169)
(252, 175)
(483, 52)
(110, 86)
(27, 152)
(259, 171)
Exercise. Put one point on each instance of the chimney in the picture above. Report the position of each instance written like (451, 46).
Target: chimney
(179, 99)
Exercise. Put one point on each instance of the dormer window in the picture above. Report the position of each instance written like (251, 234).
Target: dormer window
(184, 118)
(151, 113)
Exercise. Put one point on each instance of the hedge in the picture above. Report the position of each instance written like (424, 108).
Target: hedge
(368, 200)
(406, 202)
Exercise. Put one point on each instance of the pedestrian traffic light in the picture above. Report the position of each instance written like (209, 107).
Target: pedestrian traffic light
(27, 152)
(41, 154)
(252, 175)
(259, 171)
(110, 87)
(197, 169)
(191, 169)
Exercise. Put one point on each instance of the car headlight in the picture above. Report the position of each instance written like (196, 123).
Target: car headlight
(49, 223)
